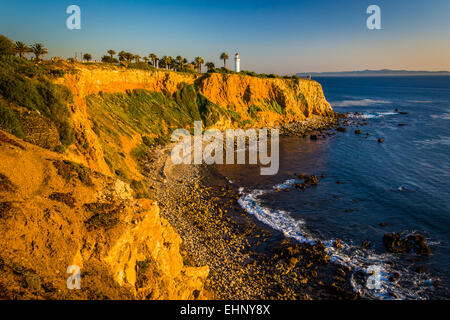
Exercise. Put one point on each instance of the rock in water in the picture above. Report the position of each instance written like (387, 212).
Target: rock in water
(312, 180)
(394, 243)
(366, 244)
(300, 186)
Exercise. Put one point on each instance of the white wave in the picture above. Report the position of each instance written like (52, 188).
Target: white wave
(419, 101)
(436, 141)
(279, 220)
(351, 256)
(287, 184)
(444, 116)
(374, 115)
(358, 103)
(387, 113)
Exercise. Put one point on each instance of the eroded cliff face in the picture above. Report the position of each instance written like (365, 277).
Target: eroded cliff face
(74, 209)
(55, 213)
(297, 99)
(256, 102)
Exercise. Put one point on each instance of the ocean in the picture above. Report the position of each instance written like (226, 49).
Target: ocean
(403, 182)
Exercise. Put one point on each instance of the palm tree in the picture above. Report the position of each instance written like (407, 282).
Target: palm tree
(154, 57)
(111, 52)
(21, 48)
(146, 59)
(224, 57)
(122, 55)
(129, 56)
(210, 66)
(38, 49)
(137, 58)
(170, 62)
(180, 62)
(87, 57)
(164, 61)
(198, 63)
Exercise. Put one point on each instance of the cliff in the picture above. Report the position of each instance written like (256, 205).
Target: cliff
(55, 213)
(88, 204)
(220, 100)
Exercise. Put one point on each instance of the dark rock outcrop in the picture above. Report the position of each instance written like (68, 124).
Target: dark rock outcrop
(311, 180)
(394, 243)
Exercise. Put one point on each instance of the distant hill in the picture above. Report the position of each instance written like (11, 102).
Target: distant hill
(374, 73)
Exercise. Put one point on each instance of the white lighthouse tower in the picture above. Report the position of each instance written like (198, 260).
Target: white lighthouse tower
(237, 63)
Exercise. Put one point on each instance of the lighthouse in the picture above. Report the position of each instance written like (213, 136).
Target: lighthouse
(237, 63)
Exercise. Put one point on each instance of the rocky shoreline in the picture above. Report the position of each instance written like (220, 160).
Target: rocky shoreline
(247, 259)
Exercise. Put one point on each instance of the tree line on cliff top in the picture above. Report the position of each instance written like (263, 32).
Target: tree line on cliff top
(133, 61)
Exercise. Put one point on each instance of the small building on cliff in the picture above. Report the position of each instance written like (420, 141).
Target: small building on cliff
(237, 63)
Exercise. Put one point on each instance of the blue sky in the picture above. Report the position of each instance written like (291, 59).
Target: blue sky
(282, 37)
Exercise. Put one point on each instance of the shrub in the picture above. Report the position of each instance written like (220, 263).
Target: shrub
(70, 170)
(302, 99)
(235, 117)
(141, 66)
(109, 59)
(141, 189)
(273, 105)
(246, 123)
(6, 46)
(9, 121)
(253, 111)
(24, 84)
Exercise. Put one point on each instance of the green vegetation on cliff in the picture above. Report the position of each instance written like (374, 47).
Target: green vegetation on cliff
(151, 115)
(28, 98)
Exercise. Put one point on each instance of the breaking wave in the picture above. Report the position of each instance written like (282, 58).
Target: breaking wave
(435, 141)
(444, 116)
(362, 262)
(359, 103)
(374, 115)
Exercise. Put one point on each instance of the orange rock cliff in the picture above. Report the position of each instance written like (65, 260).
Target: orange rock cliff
(58, 210)
(297, 99)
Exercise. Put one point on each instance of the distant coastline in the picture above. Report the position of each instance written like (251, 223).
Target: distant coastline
(375, 73)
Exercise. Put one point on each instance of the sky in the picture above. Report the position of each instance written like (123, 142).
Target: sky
(282, 37)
